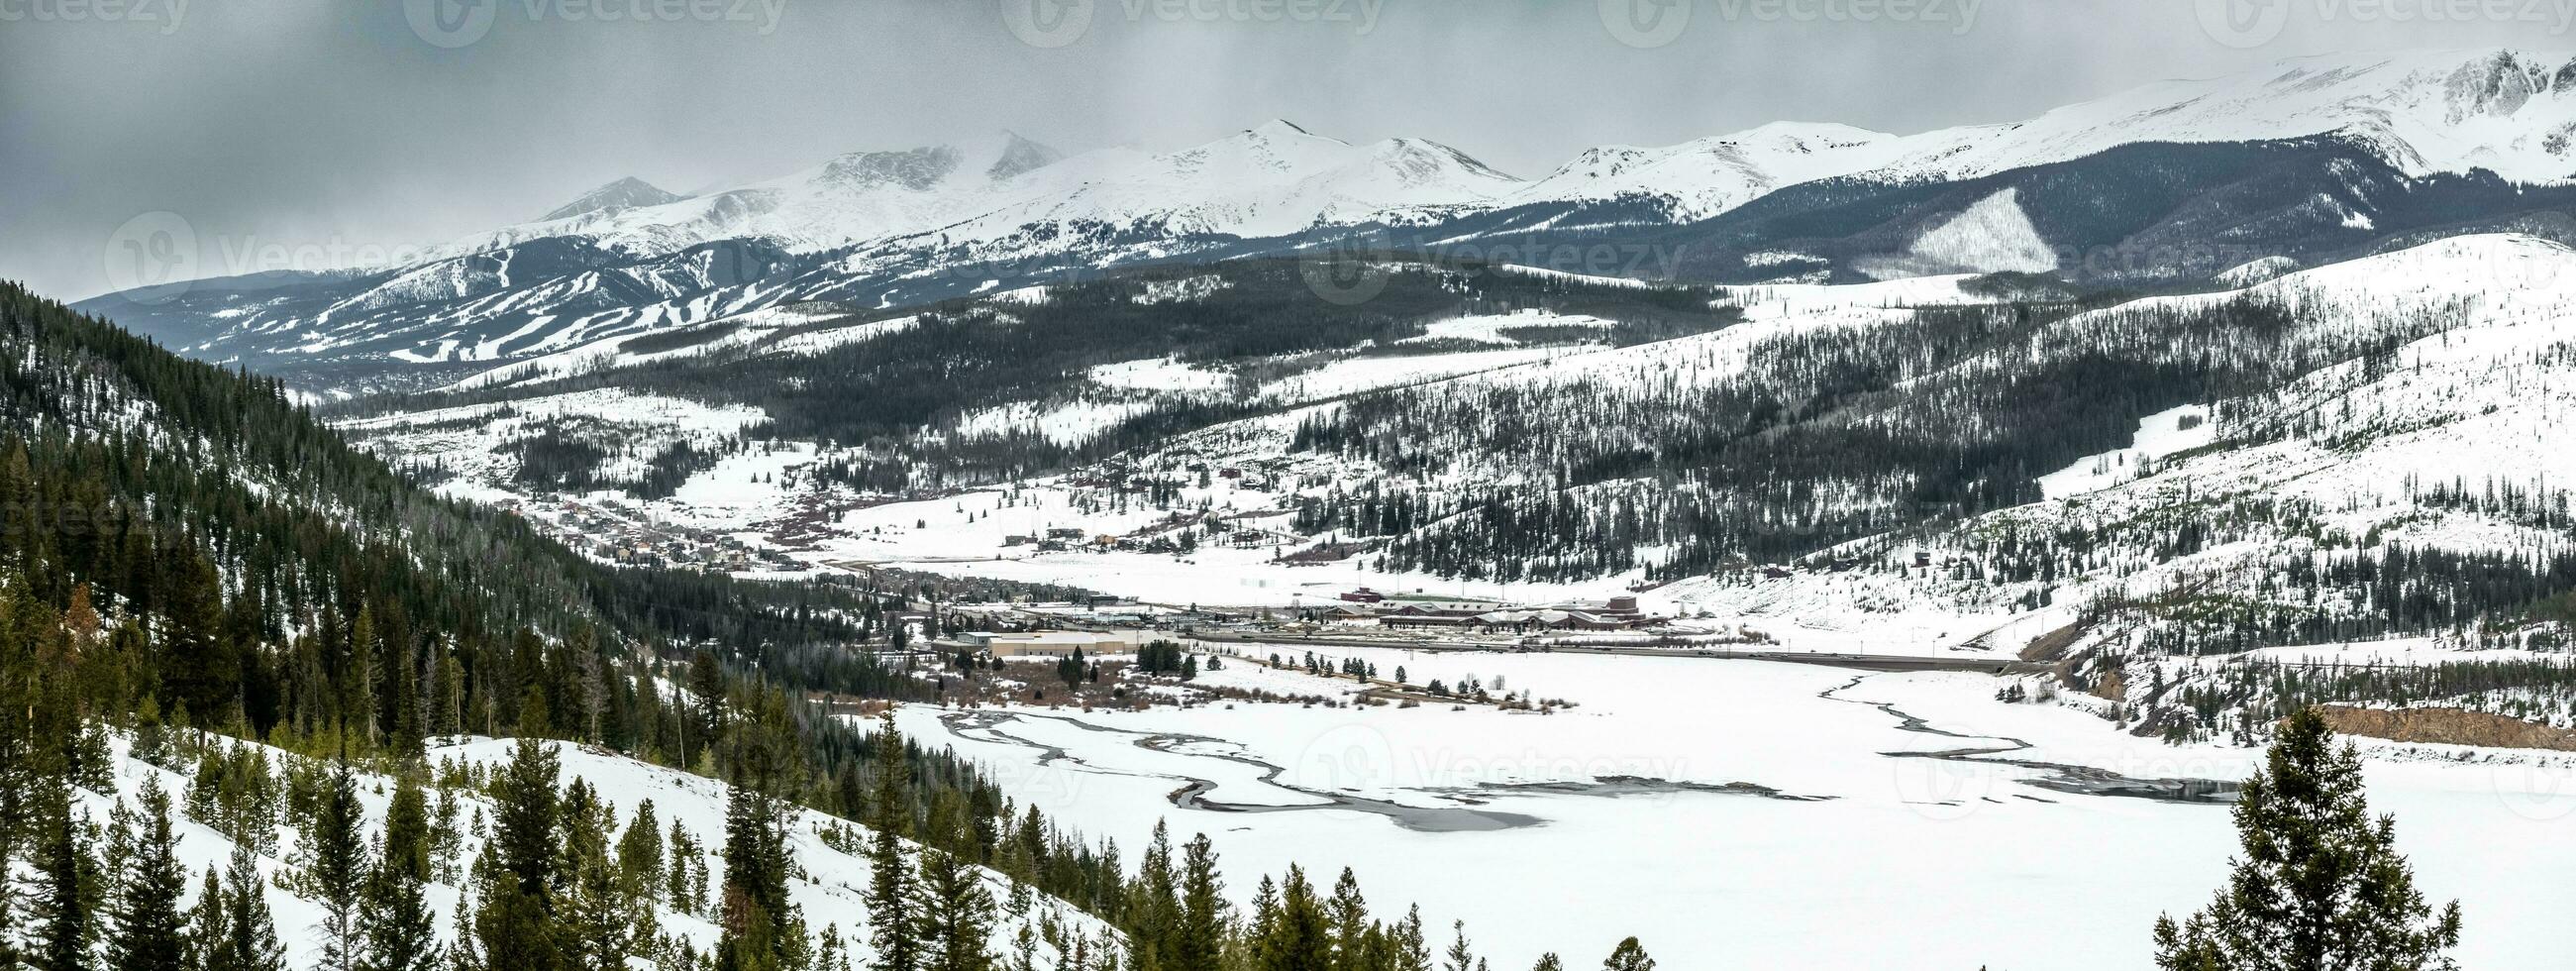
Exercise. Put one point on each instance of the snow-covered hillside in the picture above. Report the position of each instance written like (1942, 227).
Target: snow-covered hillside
(1269, 180)
(894, 228)
(830, 891)
(2510, 112)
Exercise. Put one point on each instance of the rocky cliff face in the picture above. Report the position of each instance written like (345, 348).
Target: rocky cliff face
(2447, 726)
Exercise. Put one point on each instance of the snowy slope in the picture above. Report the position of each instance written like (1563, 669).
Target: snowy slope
(859, 195)
(830, 892)
(1272, 180)
(905, 227)
(1707, 176)
(2510, 112)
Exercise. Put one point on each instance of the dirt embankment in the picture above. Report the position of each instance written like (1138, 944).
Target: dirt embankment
(2447, 726)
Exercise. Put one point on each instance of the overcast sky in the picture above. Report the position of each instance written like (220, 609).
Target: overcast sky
(332, 130)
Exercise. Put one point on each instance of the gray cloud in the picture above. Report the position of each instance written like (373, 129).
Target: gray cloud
(305, 130)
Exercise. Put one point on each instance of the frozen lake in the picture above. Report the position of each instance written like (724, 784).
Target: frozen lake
(1773, 827)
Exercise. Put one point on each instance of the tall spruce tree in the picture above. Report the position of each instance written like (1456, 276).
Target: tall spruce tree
(516, 876)
(2319, 884)
(1299, 937)
(596, 918)
(1200, 943)
(396, 928)
(1152, 909)
(1460, 956)
(757, 917)
(209, 935)
(335, 873)
(1353, 937)
(956, 913)
(250, 929)
(150, 930)
(1412, 944)
(894, 930)
(65, 879)
(639, 854)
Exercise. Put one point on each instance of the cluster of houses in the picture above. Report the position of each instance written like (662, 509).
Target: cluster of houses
(1160, 539)
(618, 533)
(1421, 611)
(1052, 643)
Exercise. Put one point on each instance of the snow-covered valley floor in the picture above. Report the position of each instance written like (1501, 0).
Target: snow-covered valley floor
(1880, 860)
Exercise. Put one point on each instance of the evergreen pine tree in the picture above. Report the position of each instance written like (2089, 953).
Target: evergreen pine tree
(1412, 946)
(1300, 936)
(1628, 956)
(65, 880)
(890, 894)
(596, 920)
(397, 931)
(1199, 943)
(685, 895)
(1152, 910)
(1548, 962)
(639, 854)
(150, 933)
(515, 878)
(2319, 884)
(336, 872)
(250, 931)
(210, 924)
(760, 928)
(1460, 956)
(1351, 929)
(956, 913)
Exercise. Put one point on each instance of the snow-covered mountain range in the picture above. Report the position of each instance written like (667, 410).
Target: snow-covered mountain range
(906, 226)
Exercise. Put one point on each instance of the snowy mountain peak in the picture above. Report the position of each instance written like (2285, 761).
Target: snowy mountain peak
(1280, 128)
(2510, 112)
(1020, 156)
(1806, 135)
(914, 168)
(626, 193)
